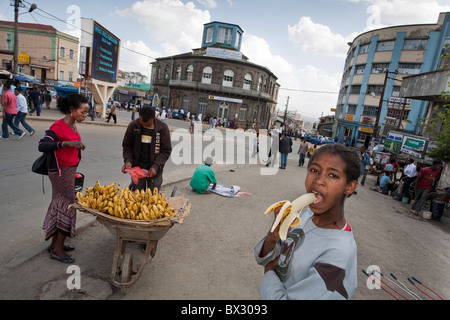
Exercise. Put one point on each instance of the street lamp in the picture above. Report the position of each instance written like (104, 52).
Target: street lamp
(17, 4)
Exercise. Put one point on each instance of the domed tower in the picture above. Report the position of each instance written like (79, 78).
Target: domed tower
(223, 35)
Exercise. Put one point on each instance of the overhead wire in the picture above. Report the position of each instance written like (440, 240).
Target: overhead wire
(308, 91)
(77, 27)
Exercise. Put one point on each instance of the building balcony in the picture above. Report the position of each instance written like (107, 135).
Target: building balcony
(216, 88)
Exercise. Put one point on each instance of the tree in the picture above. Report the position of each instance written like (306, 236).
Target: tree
(441, 148)
(135, 77)
(440, 126)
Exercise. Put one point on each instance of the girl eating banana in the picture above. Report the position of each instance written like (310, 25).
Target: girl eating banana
(317, 259)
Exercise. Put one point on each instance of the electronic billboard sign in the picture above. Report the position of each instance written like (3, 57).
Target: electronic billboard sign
(105, 54)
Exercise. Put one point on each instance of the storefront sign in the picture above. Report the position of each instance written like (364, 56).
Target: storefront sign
(349, 117)
(225, 99)
(366, 130)
(413, 146)
(223, 53)
(23, 57)
(393, 142)
(367, 120)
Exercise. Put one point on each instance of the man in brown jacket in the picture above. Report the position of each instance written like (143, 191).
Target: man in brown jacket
(147, 145)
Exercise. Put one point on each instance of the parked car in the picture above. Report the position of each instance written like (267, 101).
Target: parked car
(176, 114)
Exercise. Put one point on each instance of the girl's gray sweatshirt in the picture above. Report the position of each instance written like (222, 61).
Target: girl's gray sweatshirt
(315, 263)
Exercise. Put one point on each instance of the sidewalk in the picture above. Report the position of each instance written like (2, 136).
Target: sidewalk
(54, 114)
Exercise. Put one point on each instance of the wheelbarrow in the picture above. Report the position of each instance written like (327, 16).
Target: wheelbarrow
(147, 232)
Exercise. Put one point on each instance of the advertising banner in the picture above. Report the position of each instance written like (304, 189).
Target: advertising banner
(393, 142)
(413, 146)
(105, 54)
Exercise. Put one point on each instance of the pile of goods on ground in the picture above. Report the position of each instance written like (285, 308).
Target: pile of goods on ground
(126, 204)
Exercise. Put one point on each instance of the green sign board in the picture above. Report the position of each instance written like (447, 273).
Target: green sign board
(413, 146)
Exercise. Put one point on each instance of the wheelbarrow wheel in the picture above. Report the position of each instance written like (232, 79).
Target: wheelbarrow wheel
(127, 271)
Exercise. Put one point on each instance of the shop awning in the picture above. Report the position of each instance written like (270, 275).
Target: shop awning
(21, 78)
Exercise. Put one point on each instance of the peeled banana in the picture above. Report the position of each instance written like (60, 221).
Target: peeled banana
(126, 204)
(289, 213)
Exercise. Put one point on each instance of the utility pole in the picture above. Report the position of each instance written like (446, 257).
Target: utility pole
(402, 114)
(17, 4)
(377, 119)
(16, 42)
(285, 114)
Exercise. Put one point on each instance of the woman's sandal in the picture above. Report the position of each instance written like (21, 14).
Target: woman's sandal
(68, 259)
(66, 248)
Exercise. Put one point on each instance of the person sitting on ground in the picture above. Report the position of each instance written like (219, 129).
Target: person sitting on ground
(386, 183)
(203, 177)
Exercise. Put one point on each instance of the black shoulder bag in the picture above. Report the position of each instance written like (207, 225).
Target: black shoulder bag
(40, 166)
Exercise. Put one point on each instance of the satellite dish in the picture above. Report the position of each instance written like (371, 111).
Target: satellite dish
(373, 94)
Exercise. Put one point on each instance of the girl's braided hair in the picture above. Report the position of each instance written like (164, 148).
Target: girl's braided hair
(350, 157)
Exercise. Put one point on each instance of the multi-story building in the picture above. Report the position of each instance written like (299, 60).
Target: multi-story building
(325, 126)
(217, 80)
(376, 63)
(46, 54)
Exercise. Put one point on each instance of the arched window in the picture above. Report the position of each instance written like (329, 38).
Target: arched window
(260, 84)
(159, 72)
(166, 74)
(179, 73)
(248, 81)
(228, 78)
(207, 75)
(189, 72)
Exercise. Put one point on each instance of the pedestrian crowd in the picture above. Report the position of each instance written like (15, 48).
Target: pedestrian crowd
(17, 104)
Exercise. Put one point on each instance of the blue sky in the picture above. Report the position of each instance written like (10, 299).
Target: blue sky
(304, 43)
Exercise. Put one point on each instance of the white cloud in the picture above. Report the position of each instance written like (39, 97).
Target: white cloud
(137, 58)
(317, 38)
(297, 81)
(178, 26)
(310, 78)
(399, 12)
(258, 51)
(210, 4)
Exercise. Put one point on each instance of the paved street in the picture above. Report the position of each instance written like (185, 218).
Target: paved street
(210, 256)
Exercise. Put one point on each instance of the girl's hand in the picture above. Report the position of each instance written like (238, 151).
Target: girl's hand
(275, 232)
(272, 238)
(74, 144)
